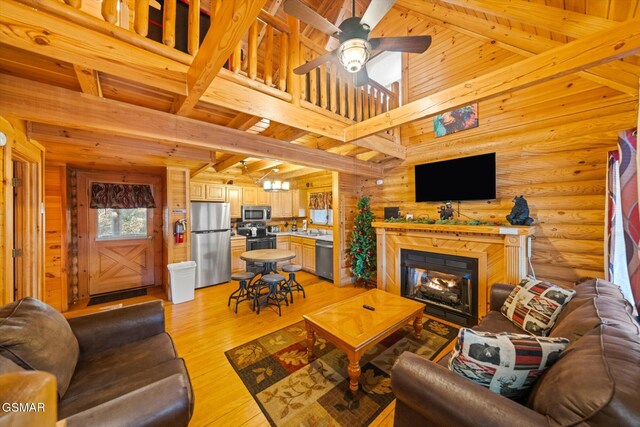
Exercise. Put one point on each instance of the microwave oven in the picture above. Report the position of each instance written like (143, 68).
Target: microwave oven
(256, 213)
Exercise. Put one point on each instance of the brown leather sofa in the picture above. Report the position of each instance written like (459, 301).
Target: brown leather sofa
(117, 367)
(596, 380)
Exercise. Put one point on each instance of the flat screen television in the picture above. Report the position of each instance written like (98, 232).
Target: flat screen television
(466, 178)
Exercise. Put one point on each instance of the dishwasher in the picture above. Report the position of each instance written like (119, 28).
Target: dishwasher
(324, 259)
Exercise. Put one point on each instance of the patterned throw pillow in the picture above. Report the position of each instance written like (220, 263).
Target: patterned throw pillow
(508, 364)
(534, 305)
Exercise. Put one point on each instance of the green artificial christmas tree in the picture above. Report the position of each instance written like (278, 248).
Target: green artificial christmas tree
(363, 242)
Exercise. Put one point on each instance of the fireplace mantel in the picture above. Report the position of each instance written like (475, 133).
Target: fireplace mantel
(447, 228)
(501, 251)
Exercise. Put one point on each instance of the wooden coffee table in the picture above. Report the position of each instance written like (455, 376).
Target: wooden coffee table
(354, 329)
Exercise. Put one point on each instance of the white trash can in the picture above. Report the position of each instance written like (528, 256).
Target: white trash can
(182, 281)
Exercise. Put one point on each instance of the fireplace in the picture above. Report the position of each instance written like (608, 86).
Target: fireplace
(448, 284)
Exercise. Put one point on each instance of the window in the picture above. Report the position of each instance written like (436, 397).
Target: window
(321, 216)
(121, 223)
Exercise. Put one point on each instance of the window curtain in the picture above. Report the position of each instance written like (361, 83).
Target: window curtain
(121, 196)
(321, 201)
(623, 218)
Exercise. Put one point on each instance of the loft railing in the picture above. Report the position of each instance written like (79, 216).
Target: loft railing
(263, 60)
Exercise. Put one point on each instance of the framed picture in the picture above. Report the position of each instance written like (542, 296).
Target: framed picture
(456, 120)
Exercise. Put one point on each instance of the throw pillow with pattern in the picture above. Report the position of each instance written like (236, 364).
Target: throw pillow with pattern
(534, 305)
(508, 364)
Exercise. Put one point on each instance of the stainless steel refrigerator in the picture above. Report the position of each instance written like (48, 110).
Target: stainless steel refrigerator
(211, 242)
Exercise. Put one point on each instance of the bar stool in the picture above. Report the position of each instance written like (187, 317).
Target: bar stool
(272, 296)
(242, 293)
(292, 284)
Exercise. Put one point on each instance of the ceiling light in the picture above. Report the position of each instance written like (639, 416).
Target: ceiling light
(353, 54)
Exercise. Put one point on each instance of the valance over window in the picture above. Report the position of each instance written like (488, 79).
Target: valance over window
(319, 201)
(121, 196)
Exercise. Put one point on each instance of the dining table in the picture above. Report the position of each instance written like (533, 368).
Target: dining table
(270, 259)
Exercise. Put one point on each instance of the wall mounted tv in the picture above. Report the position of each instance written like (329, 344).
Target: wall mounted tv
(466, 178)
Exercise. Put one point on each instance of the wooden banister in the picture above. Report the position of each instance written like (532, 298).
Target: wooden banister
(274, 21)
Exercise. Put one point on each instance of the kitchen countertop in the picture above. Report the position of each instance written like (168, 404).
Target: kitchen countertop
(238, 237)
(323, 237)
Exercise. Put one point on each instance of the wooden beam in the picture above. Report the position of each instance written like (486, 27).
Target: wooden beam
(228, 26)
(89, 80)
(43, 34)
(201, 169)
(123, 145)
(618, 75)
(244, 121)
(44, 103)
(558, 20)
(227, 94)
(261, 165)
(578, 55)
(228, 163)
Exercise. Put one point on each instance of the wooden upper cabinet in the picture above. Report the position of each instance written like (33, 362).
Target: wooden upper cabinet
(299, 201)
(264, 198)
(234, 198)
(208, 192)
(285, 204)
(275, 202)
(250, 196)
(197, 190)
(216, 192)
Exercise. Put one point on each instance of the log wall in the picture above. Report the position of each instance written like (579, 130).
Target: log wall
(551, 142)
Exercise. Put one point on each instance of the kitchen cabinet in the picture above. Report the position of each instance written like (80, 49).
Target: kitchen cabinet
(298, 201)
(207, 192)
(197, 190)
(215, 192)
(250, 195)
(296, 247)
(284, 242)
(234, 198)
(281, 204)
(264, 198)
(238, 246)
(309, 255)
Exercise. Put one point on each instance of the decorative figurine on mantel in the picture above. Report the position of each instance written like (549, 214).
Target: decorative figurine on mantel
(520, 212)
(445, 211)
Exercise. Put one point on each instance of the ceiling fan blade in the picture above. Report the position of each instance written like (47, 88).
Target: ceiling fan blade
(316, 62)
(309, 16)
(362, 77)
(410, 44)
(376, 11)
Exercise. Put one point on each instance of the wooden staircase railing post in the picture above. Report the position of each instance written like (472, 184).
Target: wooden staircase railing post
(333, 87)
(253, 50)
(283, 72)
(141, 19)
(169, 23)
(293, 86)
(109, 10)
(194, 27)
(268, 57)
(236, 58)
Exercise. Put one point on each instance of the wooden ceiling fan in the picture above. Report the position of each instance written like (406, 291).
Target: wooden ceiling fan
(355, 49)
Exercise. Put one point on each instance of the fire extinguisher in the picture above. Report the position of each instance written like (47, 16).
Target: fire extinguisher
(179, 228)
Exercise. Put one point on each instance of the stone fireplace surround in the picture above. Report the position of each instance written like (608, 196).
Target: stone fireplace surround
(501, 252)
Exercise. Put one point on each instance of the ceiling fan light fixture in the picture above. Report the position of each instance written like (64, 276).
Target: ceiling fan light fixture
(353, 54)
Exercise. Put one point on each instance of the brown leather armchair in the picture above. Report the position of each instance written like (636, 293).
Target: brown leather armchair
(594, 382)
(117, 367)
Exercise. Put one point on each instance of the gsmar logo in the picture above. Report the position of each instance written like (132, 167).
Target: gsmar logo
(23, 407)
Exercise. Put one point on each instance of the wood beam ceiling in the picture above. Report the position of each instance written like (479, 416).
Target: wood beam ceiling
(601, 47)
(229, 24)
(89, 80)
(242, 122)
(25, 28)
(43, 103)
(616, 74)
(224, 93)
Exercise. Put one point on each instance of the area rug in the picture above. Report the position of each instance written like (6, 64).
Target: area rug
(116, 296)
(293, 392)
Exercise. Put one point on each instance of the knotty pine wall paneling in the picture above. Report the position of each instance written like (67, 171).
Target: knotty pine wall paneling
(551, 142)
(176, 206)
(55, 254)
(347, 189)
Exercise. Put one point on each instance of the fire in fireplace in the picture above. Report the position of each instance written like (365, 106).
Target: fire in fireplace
(447, 283)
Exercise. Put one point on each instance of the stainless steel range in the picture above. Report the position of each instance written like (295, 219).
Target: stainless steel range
(257, 238)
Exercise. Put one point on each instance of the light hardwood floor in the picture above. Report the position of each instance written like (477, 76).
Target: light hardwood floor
(203, 329)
